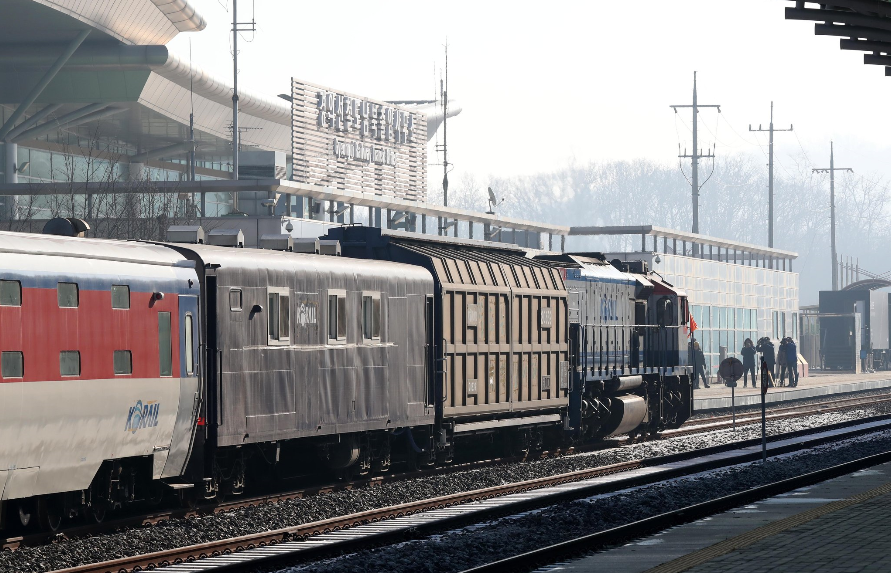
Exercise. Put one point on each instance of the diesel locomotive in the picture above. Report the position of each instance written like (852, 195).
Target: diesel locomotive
(136, 371)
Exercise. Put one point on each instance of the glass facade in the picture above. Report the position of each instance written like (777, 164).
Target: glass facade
(729, 302)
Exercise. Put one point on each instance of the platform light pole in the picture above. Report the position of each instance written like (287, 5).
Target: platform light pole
(831, 170)
(770, 175)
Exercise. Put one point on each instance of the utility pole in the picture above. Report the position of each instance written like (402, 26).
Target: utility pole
(695, 156)
(770, 175)
(832, 169)
(444, 94)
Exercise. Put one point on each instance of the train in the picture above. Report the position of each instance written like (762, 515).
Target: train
(133, 372)
(854, 329)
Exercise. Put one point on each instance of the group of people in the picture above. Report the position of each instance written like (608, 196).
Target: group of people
(779, 362)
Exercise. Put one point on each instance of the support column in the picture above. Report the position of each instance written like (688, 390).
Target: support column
(136, 171)
(12, 151)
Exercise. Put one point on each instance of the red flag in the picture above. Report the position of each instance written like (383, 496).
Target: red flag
(693, 325)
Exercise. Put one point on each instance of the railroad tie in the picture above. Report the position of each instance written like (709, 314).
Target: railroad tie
(751, 537)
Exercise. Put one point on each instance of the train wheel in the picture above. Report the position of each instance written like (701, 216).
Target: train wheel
(50, 509)
(26, 512)
(98, 511)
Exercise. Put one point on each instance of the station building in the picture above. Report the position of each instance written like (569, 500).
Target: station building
(735, 290)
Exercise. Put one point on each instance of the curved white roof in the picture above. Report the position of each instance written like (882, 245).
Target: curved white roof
(133, 21)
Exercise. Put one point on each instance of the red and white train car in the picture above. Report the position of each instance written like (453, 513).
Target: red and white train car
(98, 371)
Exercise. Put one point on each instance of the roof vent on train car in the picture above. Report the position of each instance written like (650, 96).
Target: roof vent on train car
(328, 247)
(66, 227)
(225, 237)
(306, 246)
(193, 234)
(277, 242)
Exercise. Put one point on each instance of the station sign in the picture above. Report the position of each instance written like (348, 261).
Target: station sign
(349, 142)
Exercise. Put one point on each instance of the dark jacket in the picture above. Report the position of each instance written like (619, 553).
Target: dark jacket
(781, 355)
(766, 349)
(791, 353)
(698, 360)
(748, 354)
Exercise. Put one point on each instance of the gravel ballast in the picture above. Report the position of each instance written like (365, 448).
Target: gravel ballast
(183, 532)
(472, 546)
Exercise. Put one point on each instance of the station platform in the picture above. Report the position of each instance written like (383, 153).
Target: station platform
(817, 384)
(840, 525)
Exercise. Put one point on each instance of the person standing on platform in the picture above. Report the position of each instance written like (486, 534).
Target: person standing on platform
(792, 361)
(781, 362)
(699, 367)
(765, 347)
(748, 354)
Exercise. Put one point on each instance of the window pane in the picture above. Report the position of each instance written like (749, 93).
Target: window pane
(332, 317)
(12, 365)
(10, 293)
(366, 317)
(235, 299)
(284, 316)
(189, 351)
(120, 296)
(272, 319)
(376, 319)
(123, 362)
(69, 363)
(341, 317)
(165, 348)
(67, 293)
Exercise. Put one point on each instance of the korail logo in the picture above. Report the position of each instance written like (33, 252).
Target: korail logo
(142, 416)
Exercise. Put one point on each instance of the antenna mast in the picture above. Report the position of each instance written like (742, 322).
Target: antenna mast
(445, 116)
(247, 27)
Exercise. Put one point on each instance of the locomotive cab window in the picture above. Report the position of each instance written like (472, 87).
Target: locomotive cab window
(12, 365)
(10, 293)
(337, 316)
(120, 297)
(123, 362)
(371, 316)
(278, 316)
(69, 363)
(68, 295)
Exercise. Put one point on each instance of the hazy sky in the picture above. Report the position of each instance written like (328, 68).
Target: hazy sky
(546, 83)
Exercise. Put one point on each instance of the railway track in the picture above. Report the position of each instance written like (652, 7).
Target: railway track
(701, 425)
(532, 560)
(394, 523)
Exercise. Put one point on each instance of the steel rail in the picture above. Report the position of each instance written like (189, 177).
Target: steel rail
(585, 544)
(306, 532)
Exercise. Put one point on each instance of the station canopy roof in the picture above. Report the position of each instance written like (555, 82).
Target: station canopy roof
(863, 25)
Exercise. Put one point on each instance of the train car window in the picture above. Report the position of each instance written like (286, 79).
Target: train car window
(332, 317)
(187, 332)
(165, 347)
(235, 299)
(123, 362)
(120, 296)
(371, 316)
(279, 315)
(69, 363)
(68, 295)
(284, 316)
(10, 293)
(12, 365)
(337, 316)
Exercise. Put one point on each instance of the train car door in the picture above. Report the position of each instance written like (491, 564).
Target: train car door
(189, 398)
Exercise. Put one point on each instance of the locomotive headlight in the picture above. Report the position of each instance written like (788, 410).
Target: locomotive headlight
(159, 296)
